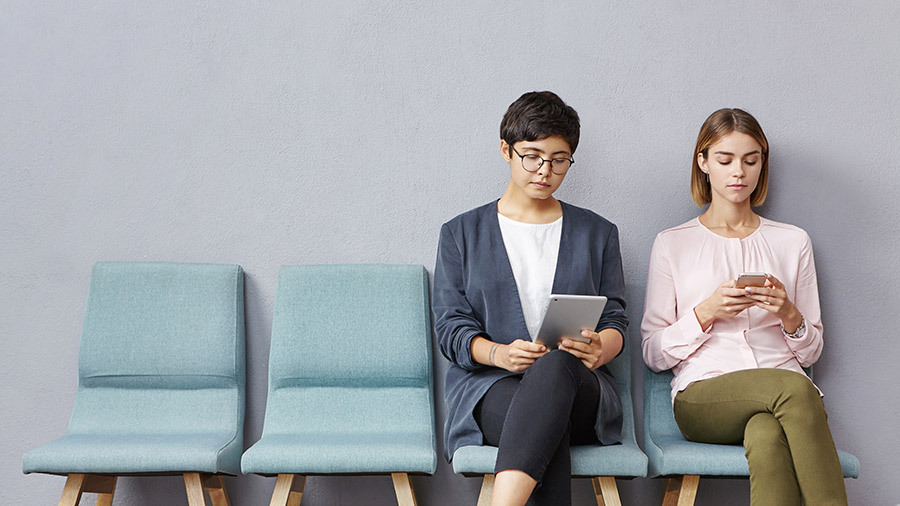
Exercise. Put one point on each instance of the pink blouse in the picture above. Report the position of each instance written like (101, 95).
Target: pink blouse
(688, 263)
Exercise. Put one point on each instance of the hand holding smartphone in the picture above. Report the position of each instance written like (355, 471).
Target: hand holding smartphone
(746, 279)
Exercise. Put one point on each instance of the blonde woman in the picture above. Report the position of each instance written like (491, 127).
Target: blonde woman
(738, 352)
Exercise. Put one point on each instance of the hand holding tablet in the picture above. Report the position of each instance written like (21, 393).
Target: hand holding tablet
(567, 315)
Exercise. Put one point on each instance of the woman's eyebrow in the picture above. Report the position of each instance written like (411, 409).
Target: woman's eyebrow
(561, 152)
(756, 152)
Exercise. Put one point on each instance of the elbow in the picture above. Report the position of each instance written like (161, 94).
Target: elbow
(455, 347)
(654, 360)
(808, 359)
(653, 365)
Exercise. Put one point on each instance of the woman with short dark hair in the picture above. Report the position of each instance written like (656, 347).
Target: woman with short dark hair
(496, 268)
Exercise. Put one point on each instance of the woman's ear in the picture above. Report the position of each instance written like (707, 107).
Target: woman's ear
(701, 161)
(504, 150)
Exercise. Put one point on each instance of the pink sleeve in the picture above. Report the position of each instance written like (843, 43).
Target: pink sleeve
(808, 346)
(666, 339)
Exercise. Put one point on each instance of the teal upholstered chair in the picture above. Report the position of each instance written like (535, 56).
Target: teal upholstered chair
(682, 461)
(160, 381)
(350, 378)
(603, 464)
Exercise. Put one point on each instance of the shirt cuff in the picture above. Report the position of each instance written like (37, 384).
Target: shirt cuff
(466, 359)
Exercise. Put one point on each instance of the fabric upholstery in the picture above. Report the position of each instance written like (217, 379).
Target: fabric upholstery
(161, 374)
(625, 460)
(671, 454)
(350, 373)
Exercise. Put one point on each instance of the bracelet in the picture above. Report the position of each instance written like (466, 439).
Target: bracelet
(800, 329)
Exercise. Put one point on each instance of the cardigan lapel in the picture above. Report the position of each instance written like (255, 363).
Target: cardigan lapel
(501, 260)
(561, 278)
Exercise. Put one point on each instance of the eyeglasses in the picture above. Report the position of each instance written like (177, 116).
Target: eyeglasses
(533, 163)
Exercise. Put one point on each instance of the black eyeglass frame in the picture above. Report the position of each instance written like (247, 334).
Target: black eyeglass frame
(543, 161)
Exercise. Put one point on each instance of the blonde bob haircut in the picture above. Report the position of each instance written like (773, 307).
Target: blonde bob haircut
(718, 125)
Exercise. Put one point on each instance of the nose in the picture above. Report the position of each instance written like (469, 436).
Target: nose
(545, 168)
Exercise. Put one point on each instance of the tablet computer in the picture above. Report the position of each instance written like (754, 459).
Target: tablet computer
(567, 315)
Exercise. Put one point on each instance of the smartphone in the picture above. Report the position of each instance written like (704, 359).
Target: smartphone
(750, 279)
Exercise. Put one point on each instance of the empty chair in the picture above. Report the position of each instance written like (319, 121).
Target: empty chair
(682, 461)
(160, 381)
(603, 464)
(350, 378)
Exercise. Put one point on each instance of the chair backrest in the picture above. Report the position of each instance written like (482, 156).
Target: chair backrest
(351, 348)
(162, 350)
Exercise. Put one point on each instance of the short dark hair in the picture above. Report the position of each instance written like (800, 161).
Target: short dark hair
(537, 115)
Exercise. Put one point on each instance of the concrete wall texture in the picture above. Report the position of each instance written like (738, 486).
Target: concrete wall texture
(278, 133)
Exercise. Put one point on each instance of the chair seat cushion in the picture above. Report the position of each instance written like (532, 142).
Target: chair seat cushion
(679, 456)
(342, 453)
(622, 460)
(136, 454)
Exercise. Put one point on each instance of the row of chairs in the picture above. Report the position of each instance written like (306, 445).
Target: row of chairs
(161, 379)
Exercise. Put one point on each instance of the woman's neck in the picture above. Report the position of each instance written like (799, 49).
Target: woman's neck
(528, 210)
(730, 220)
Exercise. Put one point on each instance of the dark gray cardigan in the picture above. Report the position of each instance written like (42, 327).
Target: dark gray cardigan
(475, 294)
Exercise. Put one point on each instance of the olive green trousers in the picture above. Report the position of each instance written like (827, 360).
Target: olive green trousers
(780, 418)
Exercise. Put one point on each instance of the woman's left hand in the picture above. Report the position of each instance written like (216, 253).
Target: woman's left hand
(773, 298)
(601, 349)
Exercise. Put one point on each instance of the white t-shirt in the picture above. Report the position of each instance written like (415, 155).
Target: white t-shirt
(532, 249)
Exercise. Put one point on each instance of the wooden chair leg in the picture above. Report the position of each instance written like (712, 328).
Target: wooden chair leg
(79, 483)
(487, 489)
(197, 485)
(71, 495)
(103, 486)
(214, 485)
(406, 496)
(288, 490)
(194, 487)
(605, 491)
(681, 490)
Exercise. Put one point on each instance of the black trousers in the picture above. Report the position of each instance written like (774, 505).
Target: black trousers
(533, 418)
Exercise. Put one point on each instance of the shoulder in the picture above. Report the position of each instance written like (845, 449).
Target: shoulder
(472, 217)
(783, 232)
(687, 231)
(586, 218)
(474, 222)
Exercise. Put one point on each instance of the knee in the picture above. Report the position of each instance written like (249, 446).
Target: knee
(798, 389)
(763, 434)
(556, 363)
(557, 360)
(764, 441)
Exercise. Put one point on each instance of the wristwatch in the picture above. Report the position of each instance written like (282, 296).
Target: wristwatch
(800, 329)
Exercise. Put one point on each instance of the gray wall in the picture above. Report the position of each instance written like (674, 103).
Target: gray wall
(298, 132)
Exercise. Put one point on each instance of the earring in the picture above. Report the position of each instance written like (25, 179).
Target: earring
(707, 176)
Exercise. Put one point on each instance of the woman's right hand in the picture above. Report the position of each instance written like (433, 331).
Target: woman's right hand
(726, 302)
(517, 355)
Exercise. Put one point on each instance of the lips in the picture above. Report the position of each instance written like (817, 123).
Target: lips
(541, 185)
